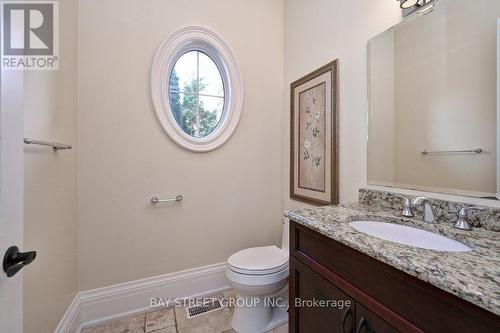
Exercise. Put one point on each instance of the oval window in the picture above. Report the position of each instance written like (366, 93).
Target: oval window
(196, 94)
(197, 89)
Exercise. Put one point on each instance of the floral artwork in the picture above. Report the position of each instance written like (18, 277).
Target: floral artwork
(312, 141)
(314, 161)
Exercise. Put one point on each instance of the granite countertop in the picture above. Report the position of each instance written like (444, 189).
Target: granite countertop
(473, 276)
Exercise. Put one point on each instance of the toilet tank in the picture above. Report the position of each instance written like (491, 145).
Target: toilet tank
(285, 234)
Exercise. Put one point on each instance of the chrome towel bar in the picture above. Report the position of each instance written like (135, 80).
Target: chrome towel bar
(473, 151)
(55, 145)
(155, 200)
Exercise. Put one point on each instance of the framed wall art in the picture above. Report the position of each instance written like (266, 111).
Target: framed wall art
(314, 162)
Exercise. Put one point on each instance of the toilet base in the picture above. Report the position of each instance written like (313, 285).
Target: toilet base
(257, 315)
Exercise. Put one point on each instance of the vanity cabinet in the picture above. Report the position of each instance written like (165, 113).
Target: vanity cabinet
(373, 296)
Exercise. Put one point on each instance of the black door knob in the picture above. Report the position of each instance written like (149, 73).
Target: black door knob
(14, 260)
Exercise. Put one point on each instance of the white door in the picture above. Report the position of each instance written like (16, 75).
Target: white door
(11, 196)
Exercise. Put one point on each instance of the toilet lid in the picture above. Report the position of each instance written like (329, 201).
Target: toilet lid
(259, 260)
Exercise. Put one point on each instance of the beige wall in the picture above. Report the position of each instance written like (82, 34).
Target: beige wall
(316, 33)
(50, 282)
(232, 196)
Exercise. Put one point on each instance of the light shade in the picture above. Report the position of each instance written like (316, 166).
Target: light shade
(406, 4)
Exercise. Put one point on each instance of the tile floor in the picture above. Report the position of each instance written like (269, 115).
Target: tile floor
(174, 320)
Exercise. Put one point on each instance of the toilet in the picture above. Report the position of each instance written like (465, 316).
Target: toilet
(259, 276)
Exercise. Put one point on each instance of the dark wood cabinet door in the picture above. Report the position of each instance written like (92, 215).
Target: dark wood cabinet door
(368, 322)
(309, 310)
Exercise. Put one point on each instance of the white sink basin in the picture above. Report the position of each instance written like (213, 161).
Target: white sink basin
(409, 236)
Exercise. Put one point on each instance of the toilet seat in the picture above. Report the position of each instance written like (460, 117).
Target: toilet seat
(258, 272)
(257, 280)
(263, 260)
(258, 266)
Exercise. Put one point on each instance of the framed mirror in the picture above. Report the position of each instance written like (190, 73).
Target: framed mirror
(433, 91)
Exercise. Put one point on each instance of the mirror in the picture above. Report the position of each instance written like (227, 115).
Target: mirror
(433, 100)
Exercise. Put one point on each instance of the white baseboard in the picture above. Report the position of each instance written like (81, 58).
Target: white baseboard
(97, 306)
(71, 321)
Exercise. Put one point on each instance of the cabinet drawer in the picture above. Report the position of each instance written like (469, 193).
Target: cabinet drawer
(324, 251)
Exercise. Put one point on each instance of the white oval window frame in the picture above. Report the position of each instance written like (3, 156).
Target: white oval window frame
(171, 49)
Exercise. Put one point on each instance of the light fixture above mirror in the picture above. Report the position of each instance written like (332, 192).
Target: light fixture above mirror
(410, 6)
(407, 4)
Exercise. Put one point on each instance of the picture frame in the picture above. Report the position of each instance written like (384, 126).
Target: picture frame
(314, 136)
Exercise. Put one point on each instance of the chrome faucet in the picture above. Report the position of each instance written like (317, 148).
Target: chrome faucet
(429, 215)
(407, 207)
(463, 220)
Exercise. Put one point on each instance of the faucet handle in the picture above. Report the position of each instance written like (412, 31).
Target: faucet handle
(407, 206)
(463, 219)
(463, 211)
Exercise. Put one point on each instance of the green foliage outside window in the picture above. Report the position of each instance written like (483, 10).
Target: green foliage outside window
(188, 110)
